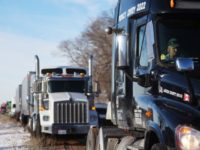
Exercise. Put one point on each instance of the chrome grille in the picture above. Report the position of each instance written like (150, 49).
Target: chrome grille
(70, 112)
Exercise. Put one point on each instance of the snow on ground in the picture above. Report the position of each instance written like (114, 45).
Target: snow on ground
(12, 135)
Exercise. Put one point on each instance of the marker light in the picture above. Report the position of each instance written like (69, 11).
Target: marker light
(186, 97)
(82, 75)
(148, 114)
(172, 3)
(187, 138)
(41, 108)
(93, 108)
(49, 75)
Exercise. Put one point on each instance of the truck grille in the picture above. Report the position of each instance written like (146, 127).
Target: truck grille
(70, 112)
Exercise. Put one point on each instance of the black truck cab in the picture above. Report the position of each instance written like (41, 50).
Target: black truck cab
(153, 94)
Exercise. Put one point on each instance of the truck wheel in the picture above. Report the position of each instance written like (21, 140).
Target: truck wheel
(38, 127)
(125, 142)
(33, 133)
(91, 139)
(158, 146)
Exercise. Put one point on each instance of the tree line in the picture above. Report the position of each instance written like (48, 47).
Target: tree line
(93, 40)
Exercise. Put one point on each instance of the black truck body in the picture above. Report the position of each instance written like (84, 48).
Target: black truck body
(156, 100)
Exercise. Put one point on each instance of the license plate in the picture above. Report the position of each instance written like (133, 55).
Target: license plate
(62, 132)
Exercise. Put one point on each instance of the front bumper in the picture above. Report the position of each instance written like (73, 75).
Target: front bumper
(64, 129)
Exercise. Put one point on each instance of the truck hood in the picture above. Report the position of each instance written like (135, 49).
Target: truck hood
(175, 113)
(66, 96)
(175, 85)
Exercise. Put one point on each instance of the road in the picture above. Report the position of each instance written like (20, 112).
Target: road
(14, 137)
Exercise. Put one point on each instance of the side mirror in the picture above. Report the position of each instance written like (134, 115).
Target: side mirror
(97, 89)
(122, 51)
(92, 89)
(184, 64)
(37, 87)
(144, 80)
(88, 86)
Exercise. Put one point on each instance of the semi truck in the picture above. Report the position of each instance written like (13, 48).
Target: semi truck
(155, 101)
(18, 101)
(12, 112)
(62, 101)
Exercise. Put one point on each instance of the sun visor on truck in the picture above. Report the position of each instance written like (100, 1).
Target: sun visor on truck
(52, 70)
(77, 71)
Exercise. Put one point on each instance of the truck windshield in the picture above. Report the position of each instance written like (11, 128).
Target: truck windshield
(178, 38)
(66, 86)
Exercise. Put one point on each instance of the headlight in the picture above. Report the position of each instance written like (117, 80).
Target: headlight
(187, 138)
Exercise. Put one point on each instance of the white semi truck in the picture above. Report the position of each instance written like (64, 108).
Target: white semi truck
(12, 112)
(61, 106)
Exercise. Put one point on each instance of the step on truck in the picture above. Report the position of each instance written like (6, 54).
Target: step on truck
(155, 102)
(61, 105)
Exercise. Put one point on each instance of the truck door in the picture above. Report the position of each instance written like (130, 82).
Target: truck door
(141, 68)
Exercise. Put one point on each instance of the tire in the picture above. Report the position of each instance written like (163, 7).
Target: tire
(33, 133)
(158, 146)
(125, 142)
(97, 146)
(38, 127)
(91, 139)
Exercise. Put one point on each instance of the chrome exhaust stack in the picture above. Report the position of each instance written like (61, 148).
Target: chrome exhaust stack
(37, 67)
(90, 88)
(90, 65)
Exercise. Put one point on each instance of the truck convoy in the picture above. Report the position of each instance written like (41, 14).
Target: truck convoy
(60, 105)
(155, 102)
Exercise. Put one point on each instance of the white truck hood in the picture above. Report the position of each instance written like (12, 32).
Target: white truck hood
(66, 96)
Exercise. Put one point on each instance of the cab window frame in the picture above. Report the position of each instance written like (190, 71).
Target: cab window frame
(142, 46)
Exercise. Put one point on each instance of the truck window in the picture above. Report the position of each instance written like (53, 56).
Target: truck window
(66, 86)
(142, 47)
(184, 31)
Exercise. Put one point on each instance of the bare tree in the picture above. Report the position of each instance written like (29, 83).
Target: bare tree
(95, 41)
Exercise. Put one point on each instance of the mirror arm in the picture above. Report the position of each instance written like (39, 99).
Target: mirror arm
(133, 79)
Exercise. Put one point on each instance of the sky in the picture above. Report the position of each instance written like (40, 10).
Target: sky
(29, 27)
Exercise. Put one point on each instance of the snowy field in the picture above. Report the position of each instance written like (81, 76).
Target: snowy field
(12, 134)
(14, 137)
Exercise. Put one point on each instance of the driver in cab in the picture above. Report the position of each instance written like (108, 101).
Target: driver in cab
(171, 50)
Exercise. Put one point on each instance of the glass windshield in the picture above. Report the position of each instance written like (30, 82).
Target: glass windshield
(66, 86)
(178, 38)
